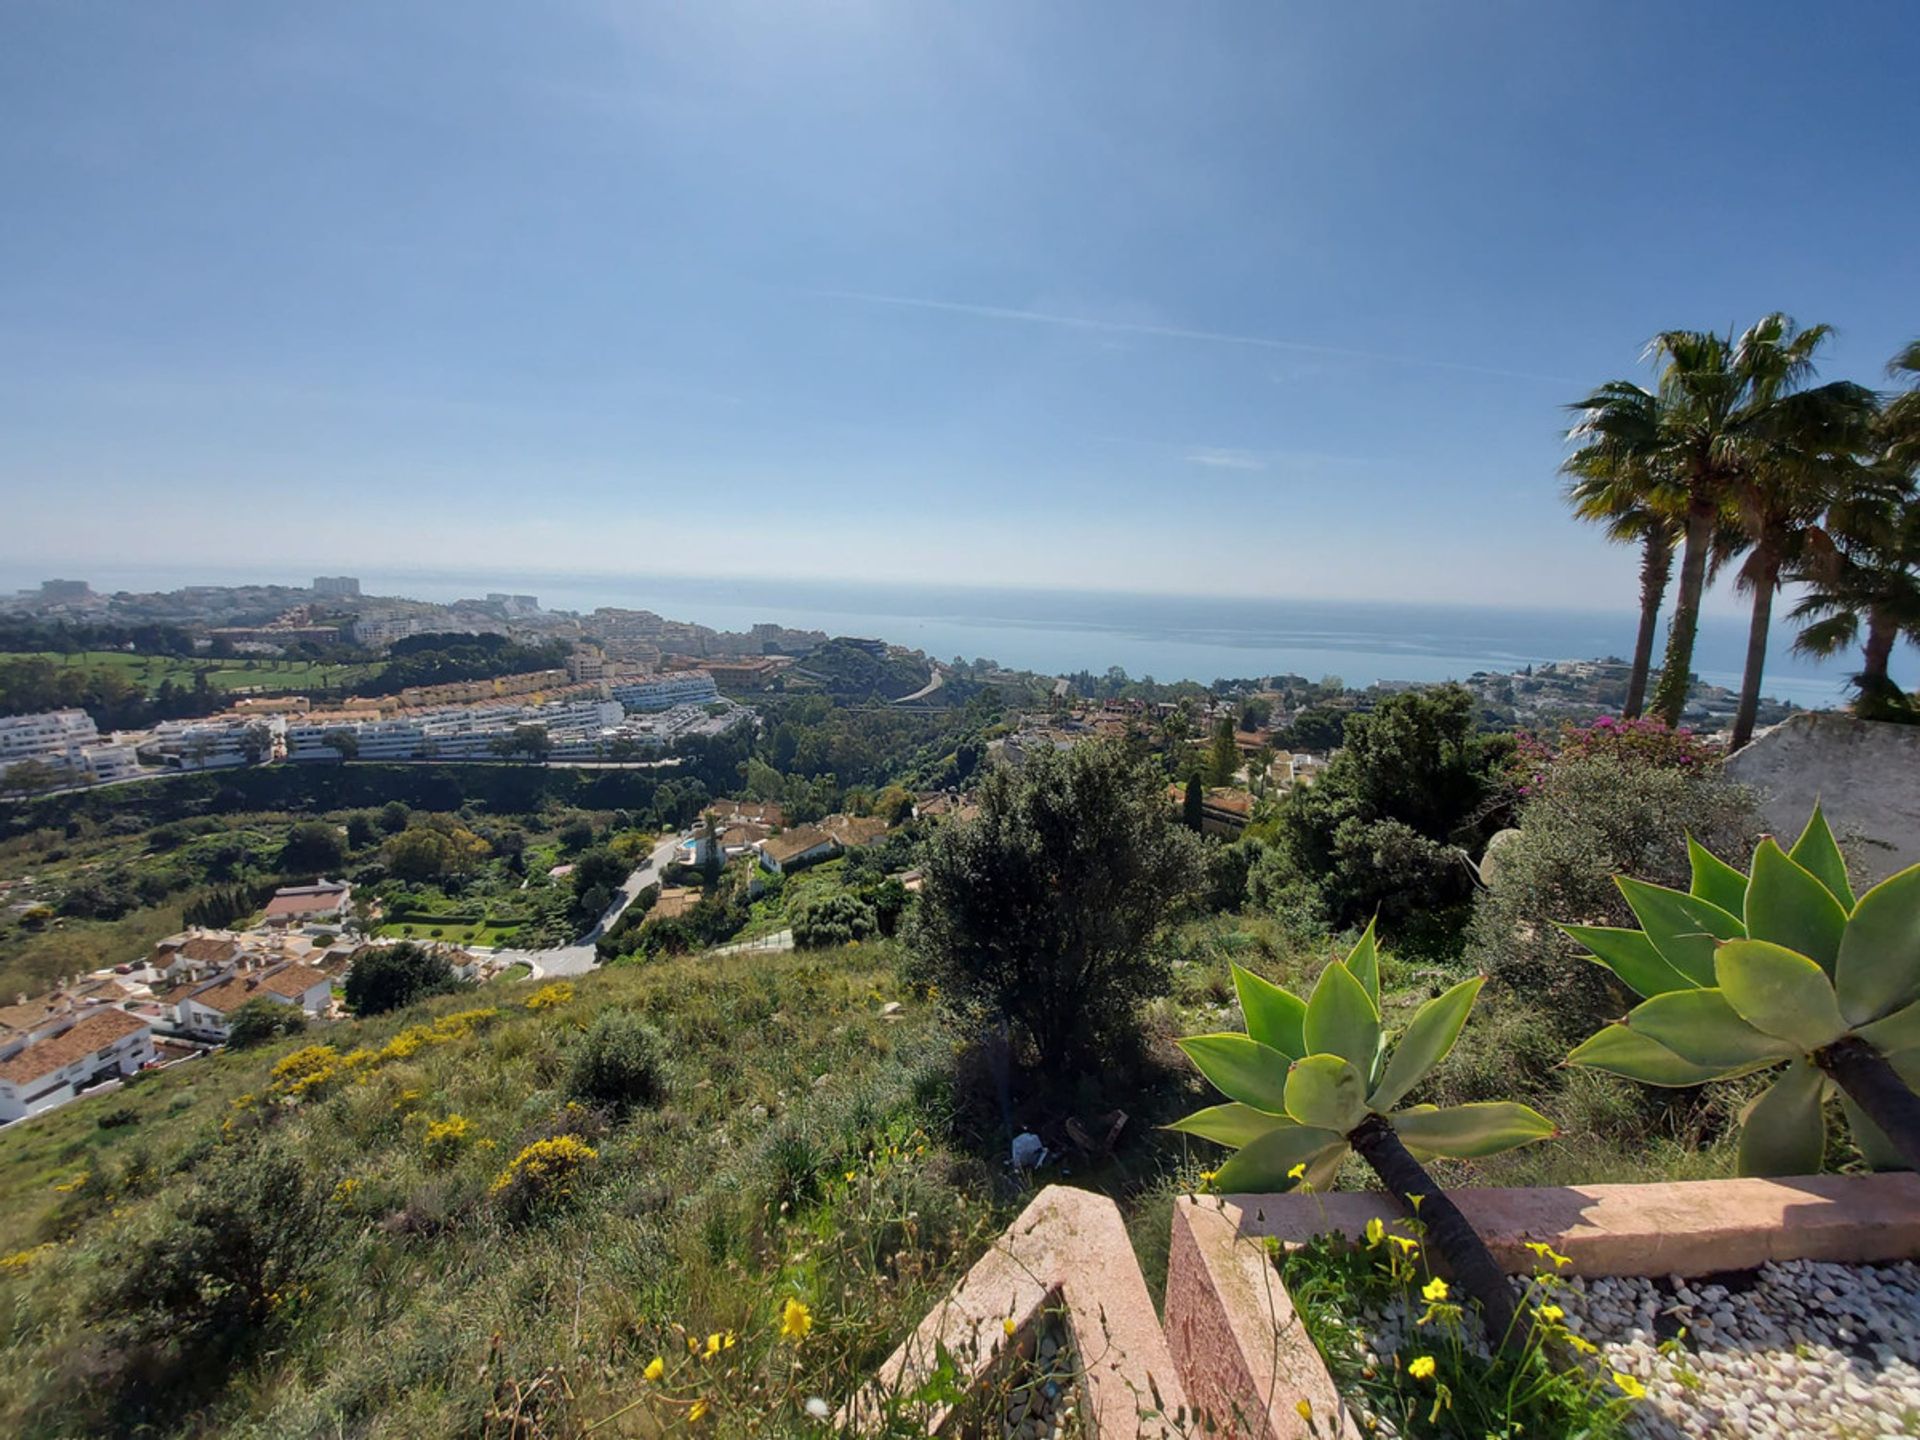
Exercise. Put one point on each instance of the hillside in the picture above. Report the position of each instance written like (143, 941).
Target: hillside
(847, 670)
(217, 1250)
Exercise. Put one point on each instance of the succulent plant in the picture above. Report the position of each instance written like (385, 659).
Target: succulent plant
(1779, 966)
(1313, 1079)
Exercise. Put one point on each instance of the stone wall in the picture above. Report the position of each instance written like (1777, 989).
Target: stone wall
(1864, 773)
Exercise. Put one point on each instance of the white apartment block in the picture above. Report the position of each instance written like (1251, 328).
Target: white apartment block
(68, 740)
(661, 692)
(57, 1062)
(215, 744)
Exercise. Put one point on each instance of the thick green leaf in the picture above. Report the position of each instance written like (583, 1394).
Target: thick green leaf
(1878, 1151)
(1327, 1092)
(1682, 928)
(1363, 963)
(1894, 1033)
(1262, 1167)
(1274, 1016)
(1783, 1131)
(1430, 1035)
(1472, 1132)
(1715, 881)
(1631, 957)
(1818, 853)
(1342, 1019)
(1241, 1069)
(1620, 1051)
(1702, 1028)
(1323, 1168)
(1879, 969)
(1779, 991)
(1234, 1124)
(1787, 905)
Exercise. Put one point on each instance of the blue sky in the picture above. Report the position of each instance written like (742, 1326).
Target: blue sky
(1240, 298)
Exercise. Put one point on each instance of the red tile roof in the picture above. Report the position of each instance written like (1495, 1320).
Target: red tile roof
(94, 1032)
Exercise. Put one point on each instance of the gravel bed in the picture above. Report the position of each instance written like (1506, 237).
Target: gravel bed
(1802, 1349)
(1042, 1401)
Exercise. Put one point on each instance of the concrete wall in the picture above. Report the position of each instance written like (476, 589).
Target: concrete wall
(1864, 773)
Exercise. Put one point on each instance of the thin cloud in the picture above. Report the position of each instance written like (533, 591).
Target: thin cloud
(1174, 332)
(1222, 459)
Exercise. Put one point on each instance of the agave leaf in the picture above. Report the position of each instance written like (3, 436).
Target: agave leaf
(1630, 955)
(1234, 1124)
(1878, 1151)
(1702, 1028)
(1817, 853)
(1787, 905)
(1623, 1052)
(1326, 1092)
(1879, 966)
(1430, 1035)
(1262, 1166)
(1324, 1167)
(1682, 928)
(1342, 1019)
(1472, 1132)
(1779, 991)
(1274, 1016)
(1715, 881)
(1241, 1069)
(1894, 1033)
(1783, 1130)
(1363, 963)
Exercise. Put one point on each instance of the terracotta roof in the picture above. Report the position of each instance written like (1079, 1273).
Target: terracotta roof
(761, 810)
(34, 1013)
(201, 949)
(854, 830)
(674, 900)
(306, 900)
(289, 983)
(791, 844)
(93, 1032)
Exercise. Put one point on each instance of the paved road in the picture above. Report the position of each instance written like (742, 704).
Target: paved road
(580, 957)
(939, 679)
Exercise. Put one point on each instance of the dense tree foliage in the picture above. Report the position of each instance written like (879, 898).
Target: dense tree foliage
(448, 659)
(259, 1021)
(387, 977)
(313, 848)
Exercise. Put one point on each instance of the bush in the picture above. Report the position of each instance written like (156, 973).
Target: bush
(387, 977)
(835, 919)
(313, 847)
(618, 1065)
(1588, 819)
(544, 1174)
(1048, 909)
(259, 1021)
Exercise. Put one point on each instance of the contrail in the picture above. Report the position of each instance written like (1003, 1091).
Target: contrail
(1174, 332)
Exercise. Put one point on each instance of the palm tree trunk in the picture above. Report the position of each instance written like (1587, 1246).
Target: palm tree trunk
(1766, 581)
(1676, 670)
(1466, 1254)
(1881, 633)
(1656, 567)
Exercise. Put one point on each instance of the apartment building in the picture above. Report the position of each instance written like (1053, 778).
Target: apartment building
(336, 587)
(60, 1060)
(218, 743)
(661, 692)
(67, 740)
(205, 1009)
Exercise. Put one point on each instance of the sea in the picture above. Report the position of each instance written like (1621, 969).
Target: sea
(1167, 637)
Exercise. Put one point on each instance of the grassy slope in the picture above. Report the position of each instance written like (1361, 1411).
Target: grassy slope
(787, 1160)
(268, 673)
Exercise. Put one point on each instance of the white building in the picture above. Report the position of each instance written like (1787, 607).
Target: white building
(205, 1010)
(219, 743)
(67, 740)
(660, 692)
(337, 587)
(54, 1067)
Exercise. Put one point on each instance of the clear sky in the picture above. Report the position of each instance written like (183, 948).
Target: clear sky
(1245, 298)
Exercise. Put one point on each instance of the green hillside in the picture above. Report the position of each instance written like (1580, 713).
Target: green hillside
(849, 671)
(214, 1250)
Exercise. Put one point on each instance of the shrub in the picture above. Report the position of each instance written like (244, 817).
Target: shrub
(387, 977)
(831, 920)
(263, 1020)
(544, 1174)
(445, 1139)
(313, 847)
(557, 992)
(1590, 818)
(618, 1065)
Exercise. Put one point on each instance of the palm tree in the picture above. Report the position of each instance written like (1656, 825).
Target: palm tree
(1617, 491)
(1865, 585)
(1720, 419)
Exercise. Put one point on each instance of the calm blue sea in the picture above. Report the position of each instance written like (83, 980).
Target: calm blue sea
(1167, 637)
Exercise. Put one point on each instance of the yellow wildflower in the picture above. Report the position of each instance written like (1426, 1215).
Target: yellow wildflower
(1376, 1231)
(1434, 1291)
(1414, 1200)
(713, 1345)
(1552, 1314)
(1547, 1252)
(1407, 1247)
(1585, 1347)
(1304, 1409)
(656, 1367)
(1206, 1176)
(1297, 1171)
(1007, 1325)
(795, 1321)
(1422, 1368)
(67, 1187)
(548, 996)
(1629, 1386)
(699, 1409)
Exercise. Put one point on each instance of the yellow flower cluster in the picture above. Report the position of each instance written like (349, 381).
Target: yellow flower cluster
(448, 1028)
(343, 1192)
(795, 1321)
(20, 1259)
(548, 1167)
(548, 996)
(67, 1187)
(444, 1138)
(307, 1071)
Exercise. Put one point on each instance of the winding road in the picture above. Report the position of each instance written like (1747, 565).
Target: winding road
(580, 957)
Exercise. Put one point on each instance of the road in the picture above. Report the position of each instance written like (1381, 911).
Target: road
(580, 957)
(939, 679)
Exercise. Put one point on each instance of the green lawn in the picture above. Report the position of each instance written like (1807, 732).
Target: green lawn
(265, 673)
(478, 933)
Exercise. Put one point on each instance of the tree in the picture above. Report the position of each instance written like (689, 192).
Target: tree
(420, 853)
(343, 742)
(1193, 806)
(1618, 490)
(1223, 756)
(1318, 729)
(1725, 409)
(1045, 911)
(362, 830)
(388, 977)
(259, 1021)
(1382, 830)
(395, 816)
(313, 847)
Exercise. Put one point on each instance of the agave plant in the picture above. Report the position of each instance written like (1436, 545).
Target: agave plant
(1314, 1079)
(1780, 966)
